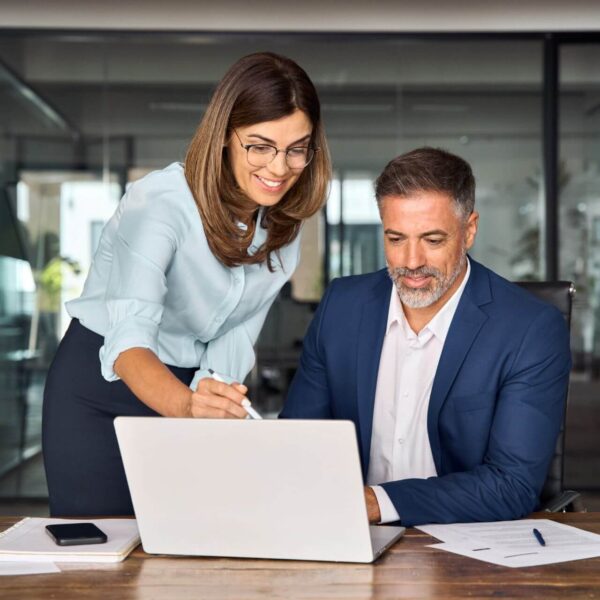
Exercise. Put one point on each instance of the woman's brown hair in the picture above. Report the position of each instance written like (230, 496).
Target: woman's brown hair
(258, 87)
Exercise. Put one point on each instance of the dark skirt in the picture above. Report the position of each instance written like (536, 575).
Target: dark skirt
(83, 464)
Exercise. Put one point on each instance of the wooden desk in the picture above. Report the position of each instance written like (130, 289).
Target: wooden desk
(408, 570)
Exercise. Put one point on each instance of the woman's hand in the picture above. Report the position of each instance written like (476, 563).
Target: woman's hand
(216, 400)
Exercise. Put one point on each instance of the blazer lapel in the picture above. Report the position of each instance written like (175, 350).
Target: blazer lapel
(371, 333)
(466, 324)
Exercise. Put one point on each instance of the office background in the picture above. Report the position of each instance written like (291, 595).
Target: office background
(92, 98)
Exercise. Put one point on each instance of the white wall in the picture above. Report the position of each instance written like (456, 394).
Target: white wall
(305, 15)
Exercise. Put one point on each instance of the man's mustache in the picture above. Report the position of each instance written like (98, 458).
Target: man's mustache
(423, 271)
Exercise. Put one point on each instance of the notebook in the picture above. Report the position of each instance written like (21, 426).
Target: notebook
(250, 488)
(28, 541)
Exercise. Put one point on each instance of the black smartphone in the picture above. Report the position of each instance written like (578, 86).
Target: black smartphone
(75, 534)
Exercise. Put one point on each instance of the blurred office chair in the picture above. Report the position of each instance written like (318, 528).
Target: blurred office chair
(554, 498)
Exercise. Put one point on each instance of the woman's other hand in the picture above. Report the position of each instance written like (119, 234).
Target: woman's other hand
(217, 400)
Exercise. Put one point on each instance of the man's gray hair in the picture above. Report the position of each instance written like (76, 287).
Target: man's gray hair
(429, 169)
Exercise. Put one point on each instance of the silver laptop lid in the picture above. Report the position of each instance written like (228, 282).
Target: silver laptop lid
(263, 489)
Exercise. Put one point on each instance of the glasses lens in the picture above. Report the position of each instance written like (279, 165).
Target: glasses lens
(260, 155)
(297, 158)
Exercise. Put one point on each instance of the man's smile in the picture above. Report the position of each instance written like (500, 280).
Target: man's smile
(416, 281)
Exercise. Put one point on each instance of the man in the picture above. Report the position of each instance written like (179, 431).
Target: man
(454, 377)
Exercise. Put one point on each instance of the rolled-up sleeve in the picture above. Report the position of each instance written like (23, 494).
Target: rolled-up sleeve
(145, 242)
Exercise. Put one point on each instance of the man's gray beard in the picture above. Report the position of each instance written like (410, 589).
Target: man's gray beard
(422, 297)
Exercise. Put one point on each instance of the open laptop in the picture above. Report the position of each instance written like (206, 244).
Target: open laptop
(257, 489)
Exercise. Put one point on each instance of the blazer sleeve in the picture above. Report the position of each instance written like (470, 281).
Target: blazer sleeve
(309, 396)
(529, 412)
(148, 234)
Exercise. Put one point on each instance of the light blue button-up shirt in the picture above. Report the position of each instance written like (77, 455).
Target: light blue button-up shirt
(154, 283)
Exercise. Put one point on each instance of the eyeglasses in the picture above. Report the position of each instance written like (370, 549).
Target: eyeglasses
(260, 155)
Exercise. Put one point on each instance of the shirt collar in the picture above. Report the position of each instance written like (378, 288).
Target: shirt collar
(439, 325)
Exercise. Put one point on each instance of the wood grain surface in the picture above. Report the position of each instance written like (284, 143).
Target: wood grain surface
(408, 570)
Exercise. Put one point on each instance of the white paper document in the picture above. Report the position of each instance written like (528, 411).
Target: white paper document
(27, 568)
(513, 543)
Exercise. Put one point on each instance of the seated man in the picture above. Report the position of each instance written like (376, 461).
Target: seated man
(454, 377)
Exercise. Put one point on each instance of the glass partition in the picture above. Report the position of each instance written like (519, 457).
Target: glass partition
(83, 114)
(579, 256)
(18, 352)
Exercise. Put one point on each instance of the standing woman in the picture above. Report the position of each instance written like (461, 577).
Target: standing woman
(183, 278)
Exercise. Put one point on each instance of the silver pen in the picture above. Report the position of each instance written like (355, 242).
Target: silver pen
(245, 402)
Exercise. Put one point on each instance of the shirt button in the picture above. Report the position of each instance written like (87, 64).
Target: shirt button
(401, 440)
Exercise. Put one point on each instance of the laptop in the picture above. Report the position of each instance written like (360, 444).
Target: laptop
(278, 489)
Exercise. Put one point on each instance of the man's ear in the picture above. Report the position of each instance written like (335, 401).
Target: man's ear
(471, 229)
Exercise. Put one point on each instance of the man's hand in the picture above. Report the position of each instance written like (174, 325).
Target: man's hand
(372, 506)
(216, 400)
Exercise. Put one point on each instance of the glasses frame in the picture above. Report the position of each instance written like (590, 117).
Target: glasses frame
(248, 147)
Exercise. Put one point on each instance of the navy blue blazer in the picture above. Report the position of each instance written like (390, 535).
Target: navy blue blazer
(496, 404)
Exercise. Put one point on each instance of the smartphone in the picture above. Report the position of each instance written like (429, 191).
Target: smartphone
(75, 534)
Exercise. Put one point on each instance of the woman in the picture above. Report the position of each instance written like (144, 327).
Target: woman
(183, 278)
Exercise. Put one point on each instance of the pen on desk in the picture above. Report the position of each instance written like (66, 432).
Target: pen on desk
(539, 537)
(245, 402)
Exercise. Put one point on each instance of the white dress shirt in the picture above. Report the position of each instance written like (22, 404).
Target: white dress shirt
(400, 447)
